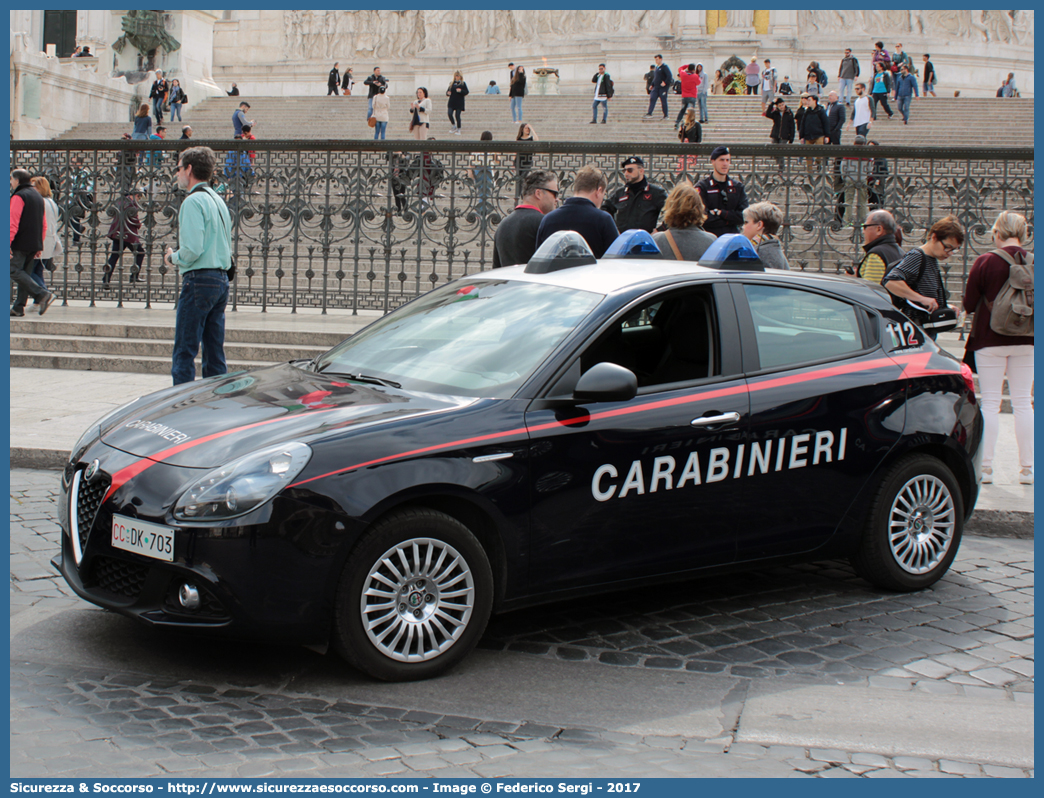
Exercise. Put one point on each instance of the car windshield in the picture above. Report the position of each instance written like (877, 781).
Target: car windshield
(483, 338)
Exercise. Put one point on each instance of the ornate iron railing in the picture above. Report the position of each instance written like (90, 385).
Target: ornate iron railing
(369, 225)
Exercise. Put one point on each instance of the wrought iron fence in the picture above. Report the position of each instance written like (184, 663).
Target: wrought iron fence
(369, 225)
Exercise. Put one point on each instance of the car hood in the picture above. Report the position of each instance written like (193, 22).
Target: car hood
(206, 424)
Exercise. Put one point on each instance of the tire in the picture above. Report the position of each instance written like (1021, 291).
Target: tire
(913, 528)
(414, 597)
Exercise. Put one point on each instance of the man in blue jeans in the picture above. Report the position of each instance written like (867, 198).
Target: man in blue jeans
(905, 90)
(203, 258)
(601, 81)
(661, 84)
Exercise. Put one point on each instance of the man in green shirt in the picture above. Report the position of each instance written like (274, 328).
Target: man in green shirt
(203, 258)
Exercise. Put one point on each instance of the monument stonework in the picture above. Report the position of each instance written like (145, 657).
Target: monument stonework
(289, 52)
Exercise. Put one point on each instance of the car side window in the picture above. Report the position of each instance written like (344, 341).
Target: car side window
(668, 339)
(793, 326)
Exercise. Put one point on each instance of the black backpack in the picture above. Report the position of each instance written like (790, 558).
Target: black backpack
(609, 90)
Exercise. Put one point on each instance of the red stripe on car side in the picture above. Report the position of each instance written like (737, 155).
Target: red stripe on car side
(771, 382)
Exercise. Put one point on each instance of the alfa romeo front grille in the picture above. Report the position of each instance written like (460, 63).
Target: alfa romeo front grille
(89, 495)
(119, 577)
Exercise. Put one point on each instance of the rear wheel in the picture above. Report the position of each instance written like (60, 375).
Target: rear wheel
(914, 526)
(414, 597)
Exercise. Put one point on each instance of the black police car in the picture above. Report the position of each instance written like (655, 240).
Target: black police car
(519, 436)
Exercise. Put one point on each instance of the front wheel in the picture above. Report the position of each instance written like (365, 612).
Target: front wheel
(414, 597)
(914, 526)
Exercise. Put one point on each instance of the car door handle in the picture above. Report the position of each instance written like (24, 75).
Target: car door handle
(713, 421)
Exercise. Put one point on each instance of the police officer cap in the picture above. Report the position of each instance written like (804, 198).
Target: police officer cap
(717, 152)
(634, 159)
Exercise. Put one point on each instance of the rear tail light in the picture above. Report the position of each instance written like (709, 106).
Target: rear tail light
(969, 378)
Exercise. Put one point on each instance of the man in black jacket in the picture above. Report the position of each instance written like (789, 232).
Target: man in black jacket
(158, 95)
(880, 247)
(638, 203)
(28, 229)
(375, 81)
(661, 84)
(515, 241)
(836, 118)
(813, 128)
(783, 127)
(333, 82)
(724, 198)
(582, 213)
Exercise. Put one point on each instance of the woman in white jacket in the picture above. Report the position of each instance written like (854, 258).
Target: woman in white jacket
(52, 244)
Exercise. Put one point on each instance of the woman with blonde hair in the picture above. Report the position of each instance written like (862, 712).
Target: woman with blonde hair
(52, 244)
(684, 214)
(142, 123)
(456, 92)
(996, 355)
(690, 132)
(761, 223)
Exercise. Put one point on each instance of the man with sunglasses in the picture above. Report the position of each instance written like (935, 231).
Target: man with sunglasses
(203, 258)
(515, 241)
(637, 205)
(880, 247)
(917, 279)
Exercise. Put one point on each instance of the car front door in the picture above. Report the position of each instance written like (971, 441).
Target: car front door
(638, 488)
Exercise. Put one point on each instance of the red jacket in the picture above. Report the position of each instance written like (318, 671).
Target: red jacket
(690, 82)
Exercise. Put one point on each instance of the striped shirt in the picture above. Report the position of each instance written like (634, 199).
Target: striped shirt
(921, 273)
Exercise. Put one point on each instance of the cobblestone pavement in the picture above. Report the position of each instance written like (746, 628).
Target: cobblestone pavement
(971, 636)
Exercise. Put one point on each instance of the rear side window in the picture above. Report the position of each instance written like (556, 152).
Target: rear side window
(794, 326)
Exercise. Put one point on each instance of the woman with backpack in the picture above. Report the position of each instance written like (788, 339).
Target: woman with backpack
(994, 355)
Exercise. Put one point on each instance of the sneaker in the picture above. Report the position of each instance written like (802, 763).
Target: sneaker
(1026, 476)
(603, 121)
(663, 118)
(46, 302)
(594, 122)
(456, 132)
(987, 475)
(647, 116)
(17, 312)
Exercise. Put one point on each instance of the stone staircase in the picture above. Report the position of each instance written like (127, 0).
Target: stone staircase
(106, 345)
(942, 121)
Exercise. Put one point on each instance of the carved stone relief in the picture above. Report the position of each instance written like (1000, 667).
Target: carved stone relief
(343, 34)
(989, 26)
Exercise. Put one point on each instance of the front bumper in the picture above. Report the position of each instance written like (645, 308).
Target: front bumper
(272, 575)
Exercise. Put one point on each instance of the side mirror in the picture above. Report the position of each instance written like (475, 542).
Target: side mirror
(606, 382)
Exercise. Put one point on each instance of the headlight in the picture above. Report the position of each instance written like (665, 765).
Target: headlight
(242, 485)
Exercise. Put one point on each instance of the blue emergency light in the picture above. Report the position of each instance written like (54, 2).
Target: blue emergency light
(732, 251)
(633, 243)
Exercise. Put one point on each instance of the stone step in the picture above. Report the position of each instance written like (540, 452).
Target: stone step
(300, 339)
(565, 118)
(154, 347)
(138, 365)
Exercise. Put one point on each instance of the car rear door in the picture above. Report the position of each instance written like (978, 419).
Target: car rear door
(826, 407)
(643, 487)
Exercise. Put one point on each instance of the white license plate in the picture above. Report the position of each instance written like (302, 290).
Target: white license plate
(142, 537)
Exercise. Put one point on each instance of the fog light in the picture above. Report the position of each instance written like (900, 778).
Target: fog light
(188, 597)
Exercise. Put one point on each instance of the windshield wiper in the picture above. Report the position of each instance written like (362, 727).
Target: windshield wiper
(362, 378)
